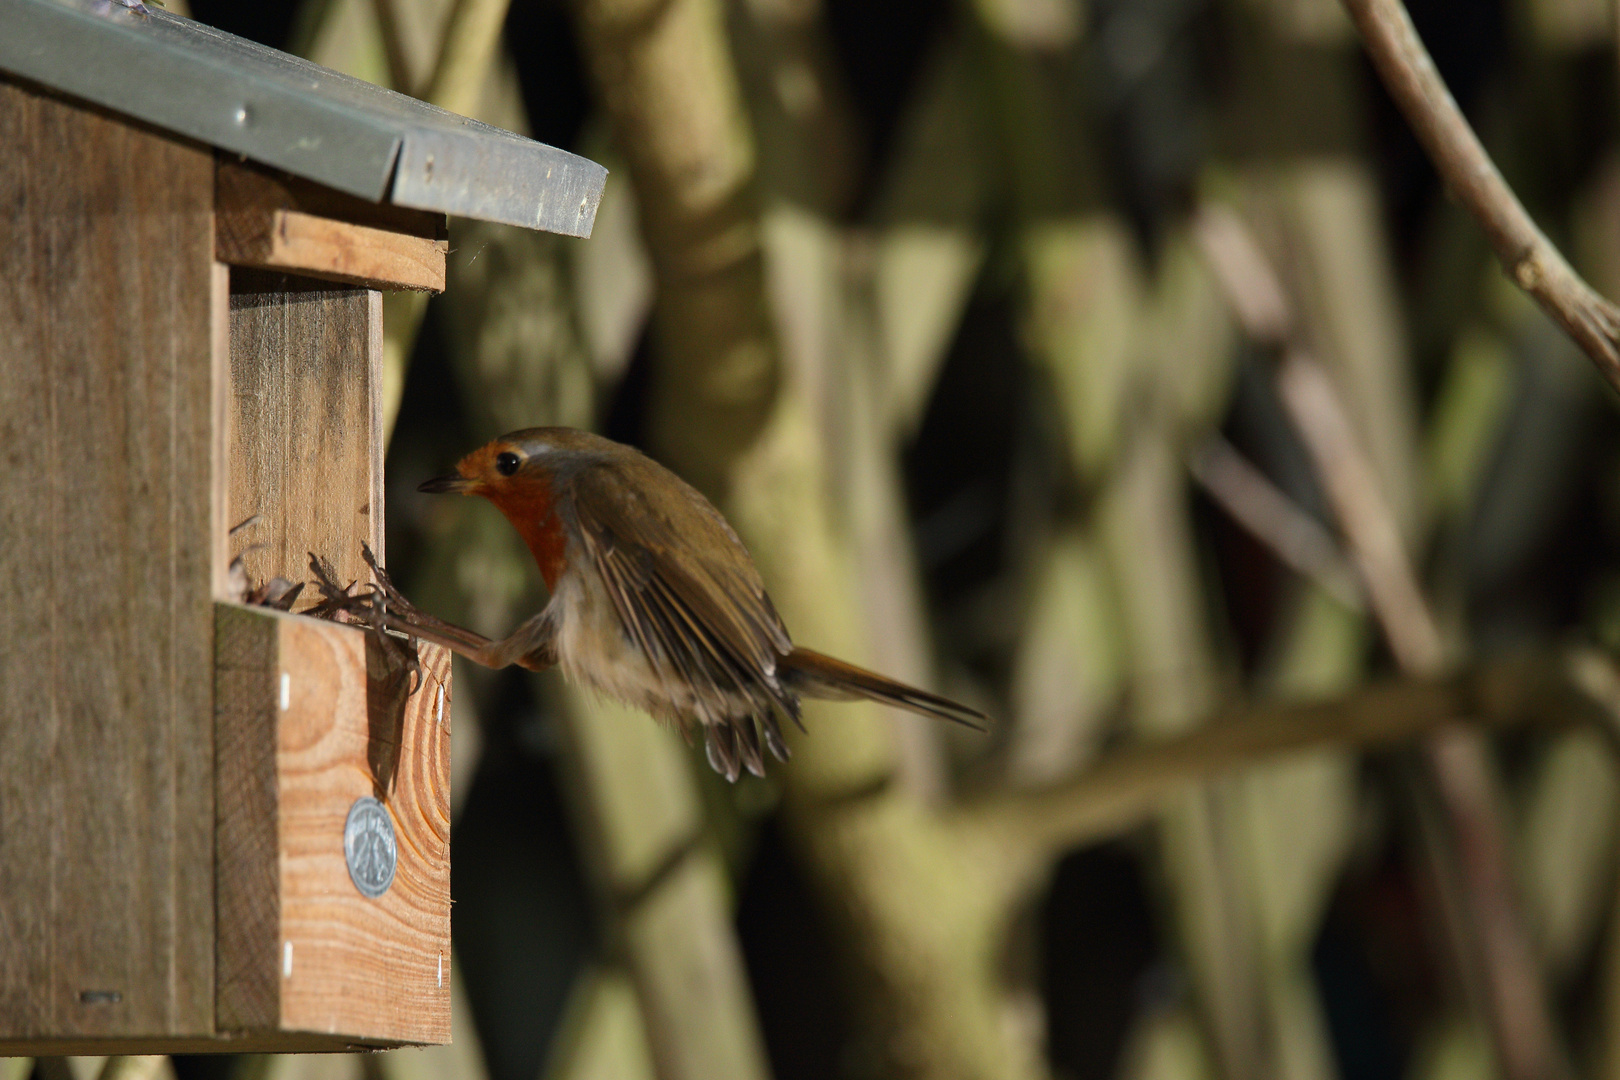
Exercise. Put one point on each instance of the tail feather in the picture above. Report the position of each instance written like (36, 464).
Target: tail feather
(817, 675)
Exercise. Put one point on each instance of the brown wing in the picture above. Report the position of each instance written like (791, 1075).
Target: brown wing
(682, 582)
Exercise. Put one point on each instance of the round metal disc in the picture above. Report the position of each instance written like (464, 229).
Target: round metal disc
(369, 848)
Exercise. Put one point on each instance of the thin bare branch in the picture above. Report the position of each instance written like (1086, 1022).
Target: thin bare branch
(1529, 257)
(1254, 502)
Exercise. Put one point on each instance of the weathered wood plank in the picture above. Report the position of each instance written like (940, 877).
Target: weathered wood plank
(28, 789)
(276, 222)
(301, 243)
(303, 413)
(106, 808)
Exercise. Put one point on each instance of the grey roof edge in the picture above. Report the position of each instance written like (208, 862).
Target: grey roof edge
(288, 113)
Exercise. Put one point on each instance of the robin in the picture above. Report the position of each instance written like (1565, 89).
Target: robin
(654, 600)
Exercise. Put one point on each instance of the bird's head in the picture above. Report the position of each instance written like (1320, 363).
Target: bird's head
(523, 474)
(516, 470)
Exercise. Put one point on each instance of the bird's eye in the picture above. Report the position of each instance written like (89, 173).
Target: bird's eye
(507, 463)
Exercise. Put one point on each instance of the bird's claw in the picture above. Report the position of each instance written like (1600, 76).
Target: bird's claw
(385, 584)
(336, 599)
(371, 604)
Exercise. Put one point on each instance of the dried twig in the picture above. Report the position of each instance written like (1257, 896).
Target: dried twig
(381, 606)
(369, 606)
(277, 593)
(1529, 257)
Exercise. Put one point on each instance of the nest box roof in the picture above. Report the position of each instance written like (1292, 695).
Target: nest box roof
(282, 111)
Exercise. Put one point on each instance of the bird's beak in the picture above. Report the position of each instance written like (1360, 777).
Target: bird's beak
(454, 484)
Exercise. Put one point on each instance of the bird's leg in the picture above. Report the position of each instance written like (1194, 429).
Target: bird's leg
(529, 646)
(532, 645)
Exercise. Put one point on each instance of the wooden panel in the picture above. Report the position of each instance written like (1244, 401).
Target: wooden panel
(106, 753)
(377, 967)
(321, 957)
(304, 453)
(274, 221)
(219, 343)
(248, 895)
(274, 1042)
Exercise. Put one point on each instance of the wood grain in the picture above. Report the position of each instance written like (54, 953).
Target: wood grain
(303, 423)
(273, 221)
(106, 752)
(378, 968)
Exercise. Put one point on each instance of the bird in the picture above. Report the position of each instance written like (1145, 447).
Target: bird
(654, 600)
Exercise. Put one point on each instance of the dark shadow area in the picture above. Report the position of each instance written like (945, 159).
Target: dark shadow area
(804, 1011)
(1100, 947)
(522, 921)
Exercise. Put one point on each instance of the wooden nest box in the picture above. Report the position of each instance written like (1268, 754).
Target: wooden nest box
(221, 827)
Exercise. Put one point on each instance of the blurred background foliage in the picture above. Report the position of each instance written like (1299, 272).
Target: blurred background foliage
(922, 294)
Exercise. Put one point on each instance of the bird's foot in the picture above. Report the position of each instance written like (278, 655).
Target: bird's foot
(370, 604)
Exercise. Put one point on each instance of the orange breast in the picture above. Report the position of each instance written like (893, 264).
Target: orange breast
(533, 514)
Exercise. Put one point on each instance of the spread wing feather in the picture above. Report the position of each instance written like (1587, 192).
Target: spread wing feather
(701, 614)
(698, 610)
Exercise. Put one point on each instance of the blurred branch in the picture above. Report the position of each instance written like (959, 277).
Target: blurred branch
(1520, 1018)
(660, 880)
(393, 43)
(664, 75)
(1173, 686)
(1529, 257)
(1127, 787)
(1373, 537)
(472, 31)
(664, 891)
(601, 1036)
(803, 117)
(467, 42)
(725, 416)
(1257, 504)
(145, 1067)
